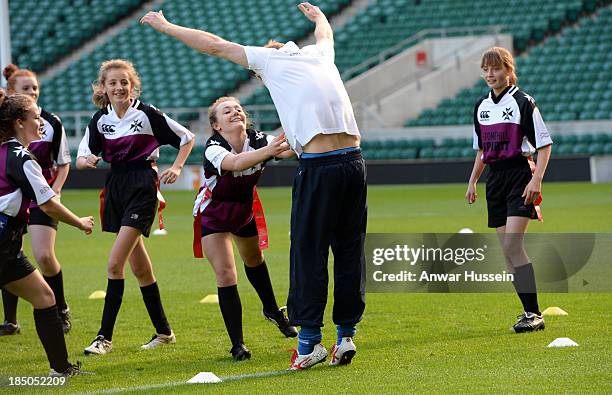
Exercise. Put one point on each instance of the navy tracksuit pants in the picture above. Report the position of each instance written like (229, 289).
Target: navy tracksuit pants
(328, 209)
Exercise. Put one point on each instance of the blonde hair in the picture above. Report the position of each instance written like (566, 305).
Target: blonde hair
(498, 56)
(99, 98)
(11, 72)
(273, 44)
(12, 108)
(212, 111)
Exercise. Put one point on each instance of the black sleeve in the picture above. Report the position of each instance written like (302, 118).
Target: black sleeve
(57, 135)
(95, 139)
(526, 106)
(162, 131)
(477, 125)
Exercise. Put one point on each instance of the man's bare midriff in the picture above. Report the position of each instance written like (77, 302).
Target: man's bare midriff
(330, 142)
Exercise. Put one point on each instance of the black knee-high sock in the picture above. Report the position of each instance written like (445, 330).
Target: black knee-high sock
(231, 309)
(260, 279)
(152, 300)
(112, 303)
(525, 285)
(57, 285)
(51, 335)
(10, 306)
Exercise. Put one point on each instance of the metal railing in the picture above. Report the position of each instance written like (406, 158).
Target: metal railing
(381, 57)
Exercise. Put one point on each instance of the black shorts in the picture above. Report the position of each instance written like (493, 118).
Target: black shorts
(14, 269)
(38, 217)
(130, 197)
(248, 230)
(505, 185)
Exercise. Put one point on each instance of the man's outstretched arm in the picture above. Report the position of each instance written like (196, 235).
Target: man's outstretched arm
(323, 30)
(199, 40)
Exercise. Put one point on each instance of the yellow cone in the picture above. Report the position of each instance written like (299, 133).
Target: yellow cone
(554, 311)
(97, 295)
(213, 298)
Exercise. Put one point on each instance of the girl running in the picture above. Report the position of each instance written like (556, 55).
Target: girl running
(127, 134)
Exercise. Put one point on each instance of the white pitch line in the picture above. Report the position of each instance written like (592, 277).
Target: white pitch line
(181, 383)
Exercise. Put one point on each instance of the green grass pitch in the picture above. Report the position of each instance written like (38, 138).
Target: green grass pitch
(406, 343)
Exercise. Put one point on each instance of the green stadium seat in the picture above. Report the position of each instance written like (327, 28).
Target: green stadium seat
(596, 149)
(580, 149)
(426, 153)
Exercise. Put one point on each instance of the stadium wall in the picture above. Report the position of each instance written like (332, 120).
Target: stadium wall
(379, 172)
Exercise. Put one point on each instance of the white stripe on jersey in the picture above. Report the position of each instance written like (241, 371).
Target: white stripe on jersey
(41, 188)
(11, 203)
(215, 155)
(134, 121)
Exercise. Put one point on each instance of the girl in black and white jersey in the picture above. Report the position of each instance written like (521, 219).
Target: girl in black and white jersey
(234, 157)
(508, 129)
(127, 134)
(52, 154)
(21, 181)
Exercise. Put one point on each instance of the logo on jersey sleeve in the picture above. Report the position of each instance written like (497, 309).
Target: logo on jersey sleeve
(213, 142)
(259, 135)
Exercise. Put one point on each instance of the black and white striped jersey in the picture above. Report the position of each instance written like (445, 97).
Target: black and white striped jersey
(136, 136)
(21, 180)
(52, 147)
(508, 126)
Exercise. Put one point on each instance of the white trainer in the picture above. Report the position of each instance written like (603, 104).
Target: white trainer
(159, 340)
(301, 362)
(343, 354)
(99, 346)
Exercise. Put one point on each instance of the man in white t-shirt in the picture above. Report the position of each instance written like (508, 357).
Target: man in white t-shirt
(329, 190)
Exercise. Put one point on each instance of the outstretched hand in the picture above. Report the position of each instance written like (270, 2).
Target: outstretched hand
(278, 145)
(312, 12)
(155, 19)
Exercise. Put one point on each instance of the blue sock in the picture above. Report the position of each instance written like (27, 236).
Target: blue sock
(308, 337)
(345, 331)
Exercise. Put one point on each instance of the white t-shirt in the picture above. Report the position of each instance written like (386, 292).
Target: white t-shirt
(307, 90)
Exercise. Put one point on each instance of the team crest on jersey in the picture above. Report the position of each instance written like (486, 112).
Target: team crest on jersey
(259, 135)
(213, 142)
(21, 151)
(136, 126)
(507, 114)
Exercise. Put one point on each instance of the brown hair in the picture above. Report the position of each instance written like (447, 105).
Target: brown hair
(497, 56)
(273, 44)
(12, 108)
(99, 98)
(12, 72)
(212, 111)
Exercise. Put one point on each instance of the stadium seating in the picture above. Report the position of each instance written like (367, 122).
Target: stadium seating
(592, 144)
(43, 31)
(172, 74)
(569, 76)
(385, 23)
